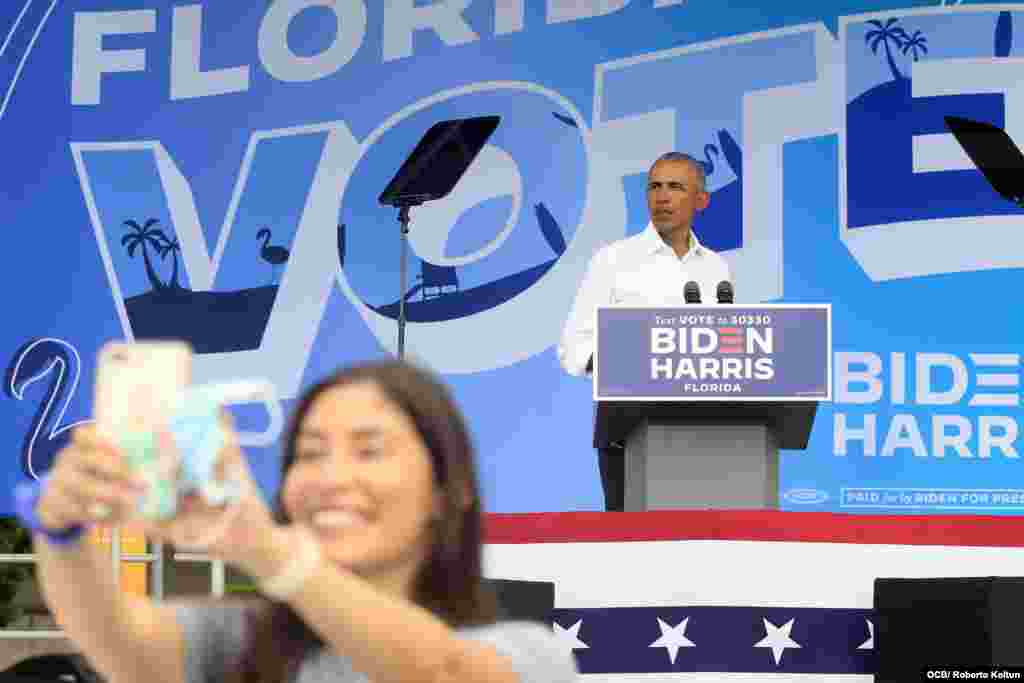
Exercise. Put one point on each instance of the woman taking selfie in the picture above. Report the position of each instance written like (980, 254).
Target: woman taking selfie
(370, 565)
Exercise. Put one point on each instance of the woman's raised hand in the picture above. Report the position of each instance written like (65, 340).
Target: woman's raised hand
(90, 482)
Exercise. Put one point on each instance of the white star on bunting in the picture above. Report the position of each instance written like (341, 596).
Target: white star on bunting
(868, 644)
(672, 638)
(777, 638)
(569, 637)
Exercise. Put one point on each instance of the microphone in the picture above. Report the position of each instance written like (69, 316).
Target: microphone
(725, 293)
(691, 292)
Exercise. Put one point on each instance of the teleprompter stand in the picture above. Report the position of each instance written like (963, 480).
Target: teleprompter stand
(433, 169)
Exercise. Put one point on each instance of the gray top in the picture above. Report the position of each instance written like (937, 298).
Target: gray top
(214, 635)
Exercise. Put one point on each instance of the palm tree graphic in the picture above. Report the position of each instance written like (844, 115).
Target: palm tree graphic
(883, 35)
(916, 44)
(147, 236)
(172, 247)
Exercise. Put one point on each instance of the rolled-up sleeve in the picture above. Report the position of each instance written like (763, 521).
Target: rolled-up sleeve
(576, 346)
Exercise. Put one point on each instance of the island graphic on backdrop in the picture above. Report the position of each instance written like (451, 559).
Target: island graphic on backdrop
(162, 304)
(211, 321)
(883, 187)
(223, 321)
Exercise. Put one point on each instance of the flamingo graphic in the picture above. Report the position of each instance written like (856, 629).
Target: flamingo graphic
(35, 361)
(274, 255)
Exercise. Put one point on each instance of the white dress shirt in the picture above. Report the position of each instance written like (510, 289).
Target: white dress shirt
(641, 270)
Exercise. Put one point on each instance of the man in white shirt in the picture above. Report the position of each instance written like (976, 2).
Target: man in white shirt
(647, 269)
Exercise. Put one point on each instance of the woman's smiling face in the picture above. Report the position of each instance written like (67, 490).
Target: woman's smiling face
(363, 482)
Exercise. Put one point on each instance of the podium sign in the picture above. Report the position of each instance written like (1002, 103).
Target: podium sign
(723, 352)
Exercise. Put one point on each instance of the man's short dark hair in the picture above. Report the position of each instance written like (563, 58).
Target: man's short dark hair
(698, 166)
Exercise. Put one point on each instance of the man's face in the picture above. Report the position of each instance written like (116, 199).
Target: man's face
(674, 195)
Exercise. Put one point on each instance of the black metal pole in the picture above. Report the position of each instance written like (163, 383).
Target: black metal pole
(403, 219)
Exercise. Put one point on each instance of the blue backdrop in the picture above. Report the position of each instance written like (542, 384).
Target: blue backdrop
(210, 171)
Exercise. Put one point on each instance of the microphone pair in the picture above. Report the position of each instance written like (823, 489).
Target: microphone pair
(691, 292)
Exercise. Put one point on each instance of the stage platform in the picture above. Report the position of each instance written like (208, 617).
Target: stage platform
(735, 595)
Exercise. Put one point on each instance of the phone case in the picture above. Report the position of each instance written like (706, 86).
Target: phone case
(138, 386)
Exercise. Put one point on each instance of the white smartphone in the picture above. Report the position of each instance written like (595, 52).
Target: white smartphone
(138, 385)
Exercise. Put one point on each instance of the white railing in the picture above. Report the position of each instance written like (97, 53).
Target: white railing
(156, 580)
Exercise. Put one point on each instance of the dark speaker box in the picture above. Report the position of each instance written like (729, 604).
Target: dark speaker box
(524, 600)
(947, 622)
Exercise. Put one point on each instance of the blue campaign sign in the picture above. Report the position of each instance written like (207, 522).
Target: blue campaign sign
(772, 352)
(210, 171)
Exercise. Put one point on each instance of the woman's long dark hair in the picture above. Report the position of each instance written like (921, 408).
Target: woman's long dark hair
(450, 582)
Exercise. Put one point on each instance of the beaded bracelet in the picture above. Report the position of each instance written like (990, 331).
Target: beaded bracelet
(26, 498)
